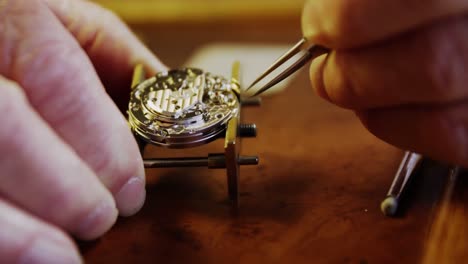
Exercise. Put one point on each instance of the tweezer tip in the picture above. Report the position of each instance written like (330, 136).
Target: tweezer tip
(258, 92)
(253, 84)
(283, 58)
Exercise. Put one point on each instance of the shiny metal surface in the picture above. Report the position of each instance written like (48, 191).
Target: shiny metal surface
(282, 59)
(410, 162)
(310, 53)
(212, 161)
(182, 108)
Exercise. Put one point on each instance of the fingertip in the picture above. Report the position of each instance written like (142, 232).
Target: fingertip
(317, 76)
(332, 79)
(131, 196)
(98, 221)
(26, 238)
(306, 25)
(316, 27)
(152, 63)
(44, 250)
(129, 188)
(308, 21)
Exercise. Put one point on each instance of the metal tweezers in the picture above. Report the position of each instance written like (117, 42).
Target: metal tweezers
(311, 52)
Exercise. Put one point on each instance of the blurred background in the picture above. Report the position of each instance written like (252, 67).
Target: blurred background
(190, 11)
(211, 34)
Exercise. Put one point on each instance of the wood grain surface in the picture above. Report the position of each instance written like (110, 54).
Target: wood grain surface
(314, 198)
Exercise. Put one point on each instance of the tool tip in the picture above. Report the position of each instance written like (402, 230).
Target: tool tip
(389, 206)
(249, 87)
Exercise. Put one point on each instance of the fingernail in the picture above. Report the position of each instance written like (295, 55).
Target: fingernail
(99, 221)
(131, 197)
(50, 252)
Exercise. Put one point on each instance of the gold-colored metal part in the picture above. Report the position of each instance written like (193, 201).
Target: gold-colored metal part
(230, 159)
(231, 146)
(231, 153)
(235, 77)
(139, 75)
(182, 108)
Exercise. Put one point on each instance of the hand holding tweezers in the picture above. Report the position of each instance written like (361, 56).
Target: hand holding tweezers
(311, 52)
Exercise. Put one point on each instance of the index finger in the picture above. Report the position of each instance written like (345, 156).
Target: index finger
(342, 24)
(63, 87)
(113, 49)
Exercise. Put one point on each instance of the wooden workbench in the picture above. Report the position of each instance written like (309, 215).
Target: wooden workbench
(314, 198)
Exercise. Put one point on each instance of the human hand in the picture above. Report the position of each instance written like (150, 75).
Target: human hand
(401, 65)
(68, 161)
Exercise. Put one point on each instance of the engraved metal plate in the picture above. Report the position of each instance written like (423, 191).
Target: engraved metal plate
(182, 108)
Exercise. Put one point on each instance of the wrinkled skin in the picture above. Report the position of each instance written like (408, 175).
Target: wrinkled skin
(69, 165)
(68, 162)
(401, 65)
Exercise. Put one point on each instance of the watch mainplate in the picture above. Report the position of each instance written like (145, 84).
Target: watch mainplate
(182, 108)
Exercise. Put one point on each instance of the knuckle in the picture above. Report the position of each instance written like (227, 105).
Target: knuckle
(445, 65)
(17, 24)
(55, 92)
(439, 72)
(13, 103)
